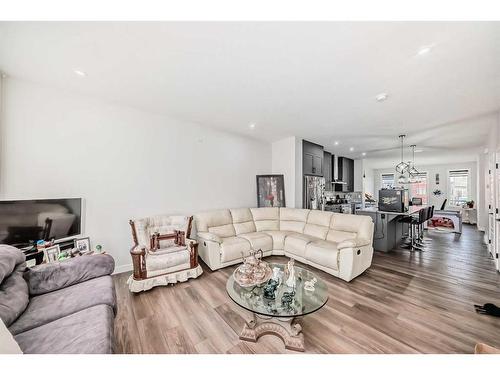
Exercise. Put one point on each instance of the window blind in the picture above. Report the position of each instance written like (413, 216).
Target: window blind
(387, 180)
(459, 173)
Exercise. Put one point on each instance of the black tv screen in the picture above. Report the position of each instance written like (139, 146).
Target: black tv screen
(23, 222)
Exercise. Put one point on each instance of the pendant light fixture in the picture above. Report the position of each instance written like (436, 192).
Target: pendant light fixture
(413, 171)
(402, 167)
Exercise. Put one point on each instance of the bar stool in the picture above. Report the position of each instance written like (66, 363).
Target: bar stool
(430, 214)
(415, 224)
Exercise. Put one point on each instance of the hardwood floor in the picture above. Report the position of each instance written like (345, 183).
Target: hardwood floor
(405, 303)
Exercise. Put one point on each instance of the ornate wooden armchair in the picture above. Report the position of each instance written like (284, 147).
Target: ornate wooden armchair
(160, 254)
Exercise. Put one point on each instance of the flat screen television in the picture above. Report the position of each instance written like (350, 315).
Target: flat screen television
(23, 222)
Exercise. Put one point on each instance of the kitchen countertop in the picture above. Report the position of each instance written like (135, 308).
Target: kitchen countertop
(411, 210)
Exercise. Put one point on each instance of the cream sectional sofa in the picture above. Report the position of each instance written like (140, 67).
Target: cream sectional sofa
(338, 244)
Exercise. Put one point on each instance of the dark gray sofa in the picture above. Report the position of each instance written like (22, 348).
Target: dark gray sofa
(66, 307)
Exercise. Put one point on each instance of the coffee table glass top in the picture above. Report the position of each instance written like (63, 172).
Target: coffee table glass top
(281, 301)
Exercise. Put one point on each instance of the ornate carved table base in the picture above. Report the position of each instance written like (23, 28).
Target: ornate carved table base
(285, 328)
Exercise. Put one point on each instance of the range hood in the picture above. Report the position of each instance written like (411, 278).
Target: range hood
(336, 167)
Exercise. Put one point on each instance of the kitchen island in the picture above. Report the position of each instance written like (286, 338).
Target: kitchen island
(387, 226)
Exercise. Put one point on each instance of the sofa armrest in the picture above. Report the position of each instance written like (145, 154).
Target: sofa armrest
(49, 277)
(206, 236)
(356, 242)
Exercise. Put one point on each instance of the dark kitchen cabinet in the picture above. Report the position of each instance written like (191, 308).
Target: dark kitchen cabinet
(312, 159)
(346, 174)
(327, 170)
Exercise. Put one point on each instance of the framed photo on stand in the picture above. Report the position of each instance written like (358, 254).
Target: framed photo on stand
(82, 245)
(51, 254)
(270, 190)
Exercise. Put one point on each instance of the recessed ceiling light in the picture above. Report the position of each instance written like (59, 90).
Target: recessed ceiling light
(336, 143)
(251, 126)
(424, 50)
(80, 73)
(351, 148)
(364, 153)
(381, 97)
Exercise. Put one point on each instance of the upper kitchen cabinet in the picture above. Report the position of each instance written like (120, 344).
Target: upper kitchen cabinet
(312, 162)
(345, 173)
(327, 170)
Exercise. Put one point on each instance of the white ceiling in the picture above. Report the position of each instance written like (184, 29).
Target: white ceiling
(313, 80)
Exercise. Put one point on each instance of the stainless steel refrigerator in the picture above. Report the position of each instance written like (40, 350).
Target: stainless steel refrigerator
(314, 193)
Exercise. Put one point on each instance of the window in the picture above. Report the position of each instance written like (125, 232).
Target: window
(458, 186)
(387, 180)
(419, 189)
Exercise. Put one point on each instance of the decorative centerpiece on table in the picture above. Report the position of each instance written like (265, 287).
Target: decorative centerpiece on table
(254, 271)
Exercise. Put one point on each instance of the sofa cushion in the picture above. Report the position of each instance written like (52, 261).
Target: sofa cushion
(14, 296)
(13, 288)
(344, 227)
(295, 243)
(322, 218)
(259, 240)
(242, 228)
(88, 331)
(359, 224)
(293, 219)
(233, 247)
(7, 343)
(166, 261)
(48, 307)
(317, 231)
(323, 253)
(48, 277)
(318, 224)
(265, 213)
(242, 220)
(241, 215)
(266, 218)
(278, 237)
(263, 225)
(10, 258)
(219, 222)
(339, 236)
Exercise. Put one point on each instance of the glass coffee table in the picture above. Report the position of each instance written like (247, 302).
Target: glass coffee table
(275, 308)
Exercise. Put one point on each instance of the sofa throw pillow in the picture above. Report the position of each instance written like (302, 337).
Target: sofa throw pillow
(46, 278)
(10, 257)
(7, 343)
(13, 288)
(14, 296)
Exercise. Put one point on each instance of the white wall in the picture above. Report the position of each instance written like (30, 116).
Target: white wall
(299, 179)
(431, 170)
(125, 163)
(482, 205)
(369, 182)
(283, 162)
(491, 190)
(358, 175)
(287, 160)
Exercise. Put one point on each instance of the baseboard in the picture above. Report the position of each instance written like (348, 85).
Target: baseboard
(123, 268)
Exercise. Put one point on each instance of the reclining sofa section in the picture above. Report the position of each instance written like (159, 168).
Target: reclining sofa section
(338, 244)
